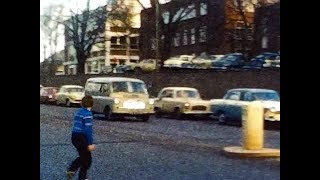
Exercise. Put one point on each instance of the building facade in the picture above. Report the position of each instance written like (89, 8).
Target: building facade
(267, 25)
(196, 27)
(120, 45)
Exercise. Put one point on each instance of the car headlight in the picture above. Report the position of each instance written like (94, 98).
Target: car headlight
(186, 105)
(116, 100)
(151, 101)
(273, 109)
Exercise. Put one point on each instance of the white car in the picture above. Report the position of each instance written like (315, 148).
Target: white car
(69, 94)
(182, 61)
(229, 109)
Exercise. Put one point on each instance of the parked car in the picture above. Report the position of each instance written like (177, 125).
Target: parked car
(183, 61)
(47, 94)
(117, 97)
(229, 109)
(181, 101)
(233, 60)
(260, 60)
(69, 95)
(146, 65)
(205, 62)
(275, 63)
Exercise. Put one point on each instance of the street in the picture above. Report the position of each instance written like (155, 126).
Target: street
(157, 149)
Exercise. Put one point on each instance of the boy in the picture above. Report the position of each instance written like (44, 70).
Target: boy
(82, 139)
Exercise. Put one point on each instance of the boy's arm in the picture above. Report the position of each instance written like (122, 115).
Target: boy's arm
(88, 128)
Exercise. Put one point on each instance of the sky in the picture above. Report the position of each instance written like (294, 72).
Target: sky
(71, 3)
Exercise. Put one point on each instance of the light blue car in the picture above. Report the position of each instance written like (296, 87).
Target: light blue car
(229, 109)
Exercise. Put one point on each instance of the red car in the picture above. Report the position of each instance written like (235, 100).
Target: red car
(47, 94)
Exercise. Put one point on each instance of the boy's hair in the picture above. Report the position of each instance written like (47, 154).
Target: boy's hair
(87, 101)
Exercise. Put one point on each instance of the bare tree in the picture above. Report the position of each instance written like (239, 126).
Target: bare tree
(169, 21)
(244, 10)
(84, 30)
(49, 23)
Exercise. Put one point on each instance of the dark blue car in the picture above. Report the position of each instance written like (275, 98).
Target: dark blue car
(229, 61)
(258, 61)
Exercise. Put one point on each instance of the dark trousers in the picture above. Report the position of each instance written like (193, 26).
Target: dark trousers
(84, 160)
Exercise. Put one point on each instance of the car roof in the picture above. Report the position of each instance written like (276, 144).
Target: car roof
(112, 79)
(253, 90)
(180, 88)
(50, 88)
(71, 86)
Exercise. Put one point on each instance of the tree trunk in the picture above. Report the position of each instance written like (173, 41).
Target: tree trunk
(81, 63)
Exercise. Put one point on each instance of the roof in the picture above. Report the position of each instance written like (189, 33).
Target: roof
(253, 90)
(71, 86)
(112, 79)
(181, 88)
(50, 87)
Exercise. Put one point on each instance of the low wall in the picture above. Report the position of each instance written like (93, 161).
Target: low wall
(211, 84)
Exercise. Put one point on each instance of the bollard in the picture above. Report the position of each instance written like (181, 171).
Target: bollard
(253, 135)
(253, 126)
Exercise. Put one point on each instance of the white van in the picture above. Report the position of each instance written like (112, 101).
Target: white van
(117, 97)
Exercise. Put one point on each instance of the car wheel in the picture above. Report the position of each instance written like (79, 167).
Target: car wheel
(138, 70)
(68, 104)
(145, 118)
(107, 114)
(157, 113)
(222, 118)
(177, 114)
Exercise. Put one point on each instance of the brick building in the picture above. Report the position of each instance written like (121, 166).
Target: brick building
(267, 28)
(195, 27)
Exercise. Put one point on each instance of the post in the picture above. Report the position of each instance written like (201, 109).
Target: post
(253, 126)
(157, 34)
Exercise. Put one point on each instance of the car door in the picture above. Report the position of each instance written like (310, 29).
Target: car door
(59, 96)
(165, 98)
(93, 89)
(233, 108)
(103, 98)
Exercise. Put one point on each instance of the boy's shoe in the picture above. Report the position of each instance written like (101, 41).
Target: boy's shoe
(70, 174)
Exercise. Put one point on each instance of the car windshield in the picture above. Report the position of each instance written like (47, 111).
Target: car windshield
(266, 96)
(75, 90)
(51, 90)
(187, 94)
(124, 86)
(184, 58)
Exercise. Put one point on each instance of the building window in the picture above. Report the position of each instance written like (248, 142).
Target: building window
(185, 13)
(203, 9)
(162, 38)
(153, 43)
(185, 37)
(238, 34)
(133, 40)
(123, 40)
(177, 40)
(203, 34)
(190, 12)
(264, 42)
(113, 40)
(192, 36)
(166, 16)
(239, 25)
(237, 45)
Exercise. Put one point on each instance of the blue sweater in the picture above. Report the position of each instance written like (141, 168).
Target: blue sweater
(83, 124)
